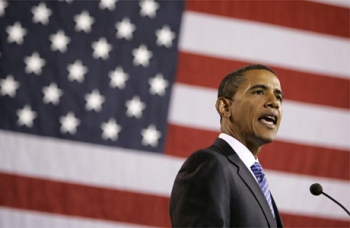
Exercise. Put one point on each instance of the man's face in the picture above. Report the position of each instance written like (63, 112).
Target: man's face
(256, 108)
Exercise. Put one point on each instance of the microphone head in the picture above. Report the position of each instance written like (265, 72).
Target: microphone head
(316, 189)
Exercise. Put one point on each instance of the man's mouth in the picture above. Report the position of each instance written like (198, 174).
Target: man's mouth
(269, 120)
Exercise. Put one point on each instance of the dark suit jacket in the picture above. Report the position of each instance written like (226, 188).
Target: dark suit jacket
(215, 189)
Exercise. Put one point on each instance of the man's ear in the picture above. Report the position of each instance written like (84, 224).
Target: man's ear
(223, 107)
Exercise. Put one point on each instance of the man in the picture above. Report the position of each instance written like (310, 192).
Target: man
(217, 186)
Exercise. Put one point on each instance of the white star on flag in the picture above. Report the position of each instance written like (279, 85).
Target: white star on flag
(125, 29)
(101, 48)
(52, 94)
(59, 41)
(16, 33)
(83, 22)
(3, 5)
(8, 86)
(76, 71)
(165, 37)
(26, 116)
(150, 136)
(158, 85)
(69, 123)
(118, 78)
(94, 101)
(141, 56)
(34, 64)
(41, 14)
(107, 4)
(110, 130)
(148, 8)
(135, 107)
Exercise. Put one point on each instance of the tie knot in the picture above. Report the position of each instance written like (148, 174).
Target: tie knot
(258, 171)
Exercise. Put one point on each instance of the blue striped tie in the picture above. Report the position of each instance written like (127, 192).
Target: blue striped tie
(260, 176)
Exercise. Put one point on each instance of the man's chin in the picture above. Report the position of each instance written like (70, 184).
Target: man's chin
(260, 141)
(265, 139)
(265, 135)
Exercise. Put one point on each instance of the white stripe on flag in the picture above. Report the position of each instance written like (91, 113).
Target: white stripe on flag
(292, 195)
(90, 164)
(301, 122)
(258, 42)
(142, 172)
(24, 218)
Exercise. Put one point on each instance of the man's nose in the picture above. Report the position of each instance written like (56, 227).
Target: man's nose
(272, 102)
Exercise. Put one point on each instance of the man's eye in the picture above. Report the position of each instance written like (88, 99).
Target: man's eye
(279, 98)
(259, 92)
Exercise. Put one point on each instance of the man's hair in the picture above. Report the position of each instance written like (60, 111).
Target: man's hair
(232, 81)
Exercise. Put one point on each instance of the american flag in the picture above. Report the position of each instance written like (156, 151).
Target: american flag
(101, 102)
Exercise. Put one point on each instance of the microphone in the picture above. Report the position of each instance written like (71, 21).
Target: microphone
(316, 189)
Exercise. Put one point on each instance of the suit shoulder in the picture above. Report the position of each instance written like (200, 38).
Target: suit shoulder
(207, 158)
(207, 153)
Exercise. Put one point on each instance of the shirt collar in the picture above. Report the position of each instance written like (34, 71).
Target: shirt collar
(242, 151)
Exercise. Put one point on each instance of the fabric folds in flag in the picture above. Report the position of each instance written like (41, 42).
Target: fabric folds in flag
(101, 102)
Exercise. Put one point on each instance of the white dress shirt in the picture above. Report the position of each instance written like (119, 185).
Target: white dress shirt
(242, 151)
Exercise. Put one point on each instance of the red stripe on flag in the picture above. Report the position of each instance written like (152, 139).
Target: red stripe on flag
(311, 15)
(277, 156)
(208, 72)
(84, 201)
(183, 141)
(99, 203)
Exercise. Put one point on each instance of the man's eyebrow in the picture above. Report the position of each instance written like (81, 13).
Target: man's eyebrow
(260, 86)
(264, 87)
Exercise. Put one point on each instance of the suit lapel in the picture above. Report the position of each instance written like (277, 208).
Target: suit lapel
(278, 217)
(246, 177)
